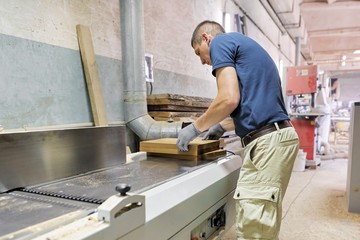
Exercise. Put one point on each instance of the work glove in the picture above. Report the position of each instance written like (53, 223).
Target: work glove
(214, 133)
(186, 135)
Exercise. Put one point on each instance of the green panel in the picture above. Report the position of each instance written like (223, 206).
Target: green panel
(44, 85)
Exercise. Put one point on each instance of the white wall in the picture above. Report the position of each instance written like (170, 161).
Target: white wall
(42, 69)
(168, 29)
(54, 22)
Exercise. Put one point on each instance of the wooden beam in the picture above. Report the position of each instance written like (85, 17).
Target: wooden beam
(180, 100)
(91, 75)
(168, 146)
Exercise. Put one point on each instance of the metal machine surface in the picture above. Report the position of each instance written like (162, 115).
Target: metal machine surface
(29, 158)
(83, 203)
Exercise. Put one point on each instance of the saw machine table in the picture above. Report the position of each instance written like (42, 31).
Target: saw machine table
(190, 198)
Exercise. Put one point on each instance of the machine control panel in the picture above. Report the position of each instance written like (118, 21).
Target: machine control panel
(215, 223)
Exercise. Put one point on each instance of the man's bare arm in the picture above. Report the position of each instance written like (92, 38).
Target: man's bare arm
(225, 102)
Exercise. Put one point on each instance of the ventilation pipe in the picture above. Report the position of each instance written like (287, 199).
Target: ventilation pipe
(297, 51)
(133, 64)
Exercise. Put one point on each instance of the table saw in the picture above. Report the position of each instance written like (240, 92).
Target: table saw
(77, 184)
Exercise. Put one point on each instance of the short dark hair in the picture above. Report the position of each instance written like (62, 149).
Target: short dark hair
(210, 27)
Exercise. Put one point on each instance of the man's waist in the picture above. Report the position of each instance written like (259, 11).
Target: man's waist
(271, 127)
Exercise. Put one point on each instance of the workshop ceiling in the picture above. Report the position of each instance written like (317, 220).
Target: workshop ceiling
(329, 32)
(333, 35)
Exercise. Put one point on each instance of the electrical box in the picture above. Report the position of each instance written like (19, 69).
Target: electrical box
(301, 80)
(149, 65)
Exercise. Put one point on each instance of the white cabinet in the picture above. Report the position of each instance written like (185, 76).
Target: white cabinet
(353, 176)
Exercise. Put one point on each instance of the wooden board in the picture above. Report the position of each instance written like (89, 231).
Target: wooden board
(175, 116)
(91, 75)
(213, 155)
(179, 100)
(167, 146)
(209, 156)
(164, 114)
(176, 108)
(175, 156)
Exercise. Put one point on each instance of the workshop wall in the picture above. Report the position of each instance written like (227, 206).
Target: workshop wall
(168, 30)
(41, 72)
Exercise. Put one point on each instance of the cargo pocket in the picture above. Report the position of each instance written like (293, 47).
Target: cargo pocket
(257, 214)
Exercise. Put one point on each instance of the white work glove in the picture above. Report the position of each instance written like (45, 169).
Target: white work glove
(214, 133)
(186, 135)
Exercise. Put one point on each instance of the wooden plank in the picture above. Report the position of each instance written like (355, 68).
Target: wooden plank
(91, 75)
(209, 156)
(174, 156)
(168, 146)
(175, 108)
(178, 100)
(174, 116)
(165, 114)
(176, 119)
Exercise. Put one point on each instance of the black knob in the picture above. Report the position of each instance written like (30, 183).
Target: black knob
(122, 188)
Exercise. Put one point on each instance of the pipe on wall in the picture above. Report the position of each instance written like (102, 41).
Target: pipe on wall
(135, 105)
(297, 51)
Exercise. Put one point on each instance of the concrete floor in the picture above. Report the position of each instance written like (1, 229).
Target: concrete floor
(315, 205)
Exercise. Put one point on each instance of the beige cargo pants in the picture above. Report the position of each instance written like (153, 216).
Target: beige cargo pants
(263, 179)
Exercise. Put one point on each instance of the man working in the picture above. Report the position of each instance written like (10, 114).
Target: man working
(249, 90)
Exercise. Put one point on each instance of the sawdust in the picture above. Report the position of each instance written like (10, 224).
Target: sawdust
(10, 204)
(315, 206)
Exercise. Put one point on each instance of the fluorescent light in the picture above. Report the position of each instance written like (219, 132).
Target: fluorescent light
(281, 69)
(343, 57)
(343, 63)
(227, 22)
(357, 51)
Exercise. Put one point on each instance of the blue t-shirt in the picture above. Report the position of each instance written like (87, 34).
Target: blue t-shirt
(261, 100)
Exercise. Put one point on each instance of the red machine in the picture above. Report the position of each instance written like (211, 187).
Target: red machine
(305, 128)
(303, 80)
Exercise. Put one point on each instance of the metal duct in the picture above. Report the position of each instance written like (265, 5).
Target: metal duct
(135, 106)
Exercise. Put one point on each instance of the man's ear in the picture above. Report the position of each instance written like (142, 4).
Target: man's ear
(206, 37)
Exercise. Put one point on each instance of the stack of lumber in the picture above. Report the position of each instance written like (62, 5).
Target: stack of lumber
(174, 107)
(198, 149)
